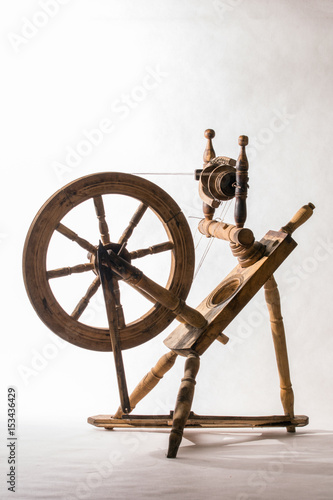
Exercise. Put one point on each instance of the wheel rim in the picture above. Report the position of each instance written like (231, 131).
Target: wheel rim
(38, 239)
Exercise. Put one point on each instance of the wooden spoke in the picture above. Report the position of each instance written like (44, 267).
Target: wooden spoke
(52, 219)
(74, 237)
(161, 247)
(66, 271)
(81, 306)
(133, 223)
(100, 212)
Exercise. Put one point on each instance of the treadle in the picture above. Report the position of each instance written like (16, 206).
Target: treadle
(198, 421)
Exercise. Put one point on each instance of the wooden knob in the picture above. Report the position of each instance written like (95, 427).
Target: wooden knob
(209, 152)
(209, 133)
(299, 218)
(243, 140)
(208, 155)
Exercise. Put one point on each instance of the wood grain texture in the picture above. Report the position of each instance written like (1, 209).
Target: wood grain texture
(111, 301)
(71, 235)
(154, 249)
(198, 421)
(84, 301)
(48, 219)
(247, 256)
(209, 153)
(227, 232)
(223, 304)
(139, 280)
(100, 212)
(139, 213)
(67, 271)
(242, 179)
(272, 297)
(303, 214)
(183, 403)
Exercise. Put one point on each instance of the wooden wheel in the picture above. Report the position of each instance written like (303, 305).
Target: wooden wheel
(94, 190)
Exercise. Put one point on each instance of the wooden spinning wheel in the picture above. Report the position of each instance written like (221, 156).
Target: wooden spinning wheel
(92, 189)
(109, 262)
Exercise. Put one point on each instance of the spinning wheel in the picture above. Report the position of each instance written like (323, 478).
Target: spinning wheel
(92, 189)
(109, 263)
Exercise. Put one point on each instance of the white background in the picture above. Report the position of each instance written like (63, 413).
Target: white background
(259, 68)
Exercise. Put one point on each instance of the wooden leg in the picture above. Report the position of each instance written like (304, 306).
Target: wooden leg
(272, 297)
(184, 403)
(149, 381)
(114, 312)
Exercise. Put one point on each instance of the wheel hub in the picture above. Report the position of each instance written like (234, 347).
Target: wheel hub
(117, 249)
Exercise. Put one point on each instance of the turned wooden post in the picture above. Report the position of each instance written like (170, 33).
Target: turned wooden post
(184, 403)
(149, 381)
(242, 167)
(100, 212)
(272, 297)
(64, 230)
(133, 223)
(227, 232)
(83, 303)
(208, 155)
